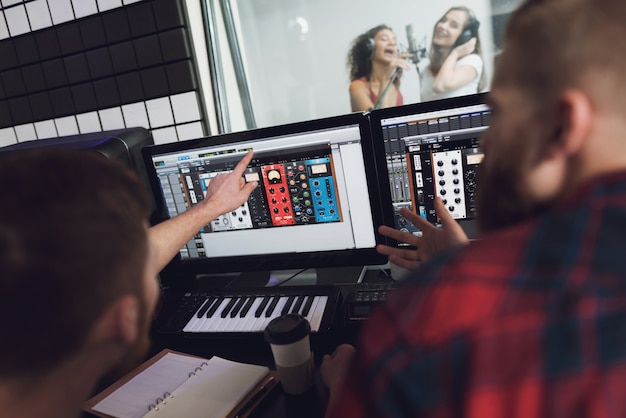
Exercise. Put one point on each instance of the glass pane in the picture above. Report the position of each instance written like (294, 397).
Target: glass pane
(295, 51)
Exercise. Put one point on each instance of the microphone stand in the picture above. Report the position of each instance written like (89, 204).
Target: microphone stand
(416, 59)
(382, 96)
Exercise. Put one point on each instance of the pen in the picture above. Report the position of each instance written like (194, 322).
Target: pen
(271, 382)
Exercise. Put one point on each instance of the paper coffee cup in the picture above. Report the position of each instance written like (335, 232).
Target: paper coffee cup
(288, 336)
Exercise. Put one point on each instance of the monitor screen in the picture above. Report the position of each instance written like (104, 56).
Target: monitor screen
(432, 149)
(316, 203)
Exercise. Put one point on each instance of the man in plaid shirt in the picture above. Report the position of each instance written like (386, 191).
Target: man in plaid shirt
(529, 321)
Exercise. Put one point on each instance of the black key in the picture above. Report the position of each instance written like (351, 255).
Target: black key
(205, 307)
(270, 309)
(262, 306)
(298, 304)
(238, 306)
(247, 306)
(229, 306)
(218, 302)
(307, 305)
(287, 305)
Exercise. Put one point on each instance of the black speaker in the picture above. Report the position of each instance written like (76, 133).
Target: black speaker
(121, 144)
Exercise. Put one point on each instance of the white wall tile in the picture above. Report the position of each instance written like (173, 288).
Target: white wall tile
(84, 8)
(38, 14)
(111, 118)
(164, 136)
(109, 4)
(17, 20)
(61, 11)
(189, 131)
(25, 132)
(6, 3)
(135, 114)
(7, 137)
(88, 122)
(160, 112)
(46, 129)
(4, 29)
(67, 126)
(185, 107)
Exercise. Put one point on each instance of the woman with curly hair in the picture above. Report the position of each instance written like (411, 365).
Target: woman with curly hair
(375, 70)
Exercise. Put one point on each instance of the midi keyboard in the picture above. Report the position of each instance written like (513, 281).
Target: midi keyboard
(244, 311)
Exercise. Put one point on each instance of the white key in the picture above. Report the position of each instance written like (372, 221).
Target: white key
(213, 322)
(317, 312)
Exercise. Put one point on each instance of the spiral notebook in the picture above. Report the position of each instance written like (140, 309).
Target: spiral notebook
(173, 384)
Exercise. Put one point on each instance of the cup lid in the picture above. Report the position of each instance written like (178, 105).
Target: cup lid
(287, 329)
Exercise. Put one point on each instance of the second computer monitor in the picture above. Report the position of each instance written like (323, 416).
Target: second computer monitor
(432, 149)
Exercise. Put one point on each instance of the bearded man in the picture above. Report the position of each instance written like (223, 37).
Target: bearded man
(529, 320)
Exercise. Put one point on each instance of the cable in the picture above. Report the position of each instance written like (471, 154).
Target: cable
(290, 277)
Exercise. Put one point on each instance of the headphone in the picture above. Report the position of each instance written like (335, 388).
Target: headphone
(370, 46)
(471, 31)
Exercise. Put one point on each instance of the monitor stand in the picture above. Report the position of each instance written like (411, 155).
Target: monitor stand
(290, 277)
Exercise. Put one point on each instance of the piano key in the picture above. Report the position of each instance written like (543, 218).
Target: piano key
(191, 324)
(255, 324)
(228, 307)
(225, 323)
(271, 306)
(215, 306)
(253, 313)
(317, 311)
(282, 300)
(205, 307)
(262, 306)
(298, 304)
(204, 323)
(235, 311)
(307, 306)
(246, 307)
(287, 305)
(252, 322)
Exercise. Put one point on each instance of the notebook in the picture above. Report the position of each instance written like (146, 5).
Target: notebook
(173, 384)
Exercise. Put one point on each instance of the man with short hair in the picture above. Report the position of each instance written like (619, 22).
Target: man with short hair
(529, 321)
(78, 268)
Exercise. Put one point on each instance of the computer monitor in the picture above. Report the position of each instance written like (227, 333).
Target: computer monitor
(432, 149)
(317, 202)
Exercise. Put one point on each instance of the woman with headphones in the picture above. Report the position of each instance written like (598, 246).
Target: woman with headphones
(375, 70)
(456, 67)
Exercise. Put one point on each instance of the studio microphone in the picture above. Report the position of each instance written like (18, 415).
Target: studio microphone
(418, 53)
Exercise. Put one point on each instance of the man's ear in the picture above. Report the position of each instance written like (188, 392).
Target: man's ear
(575, 115)
(126, 315)
(119, 323)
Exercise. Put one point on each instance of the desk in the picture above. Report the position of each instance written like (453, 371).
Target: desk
(254, 349)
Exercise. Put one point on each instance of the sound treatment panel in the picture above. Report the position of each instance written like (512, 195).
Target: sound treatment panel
(79, 66)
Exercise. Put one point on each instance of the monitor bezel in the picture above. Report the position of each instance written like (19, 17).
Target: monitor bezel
(373, 156)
